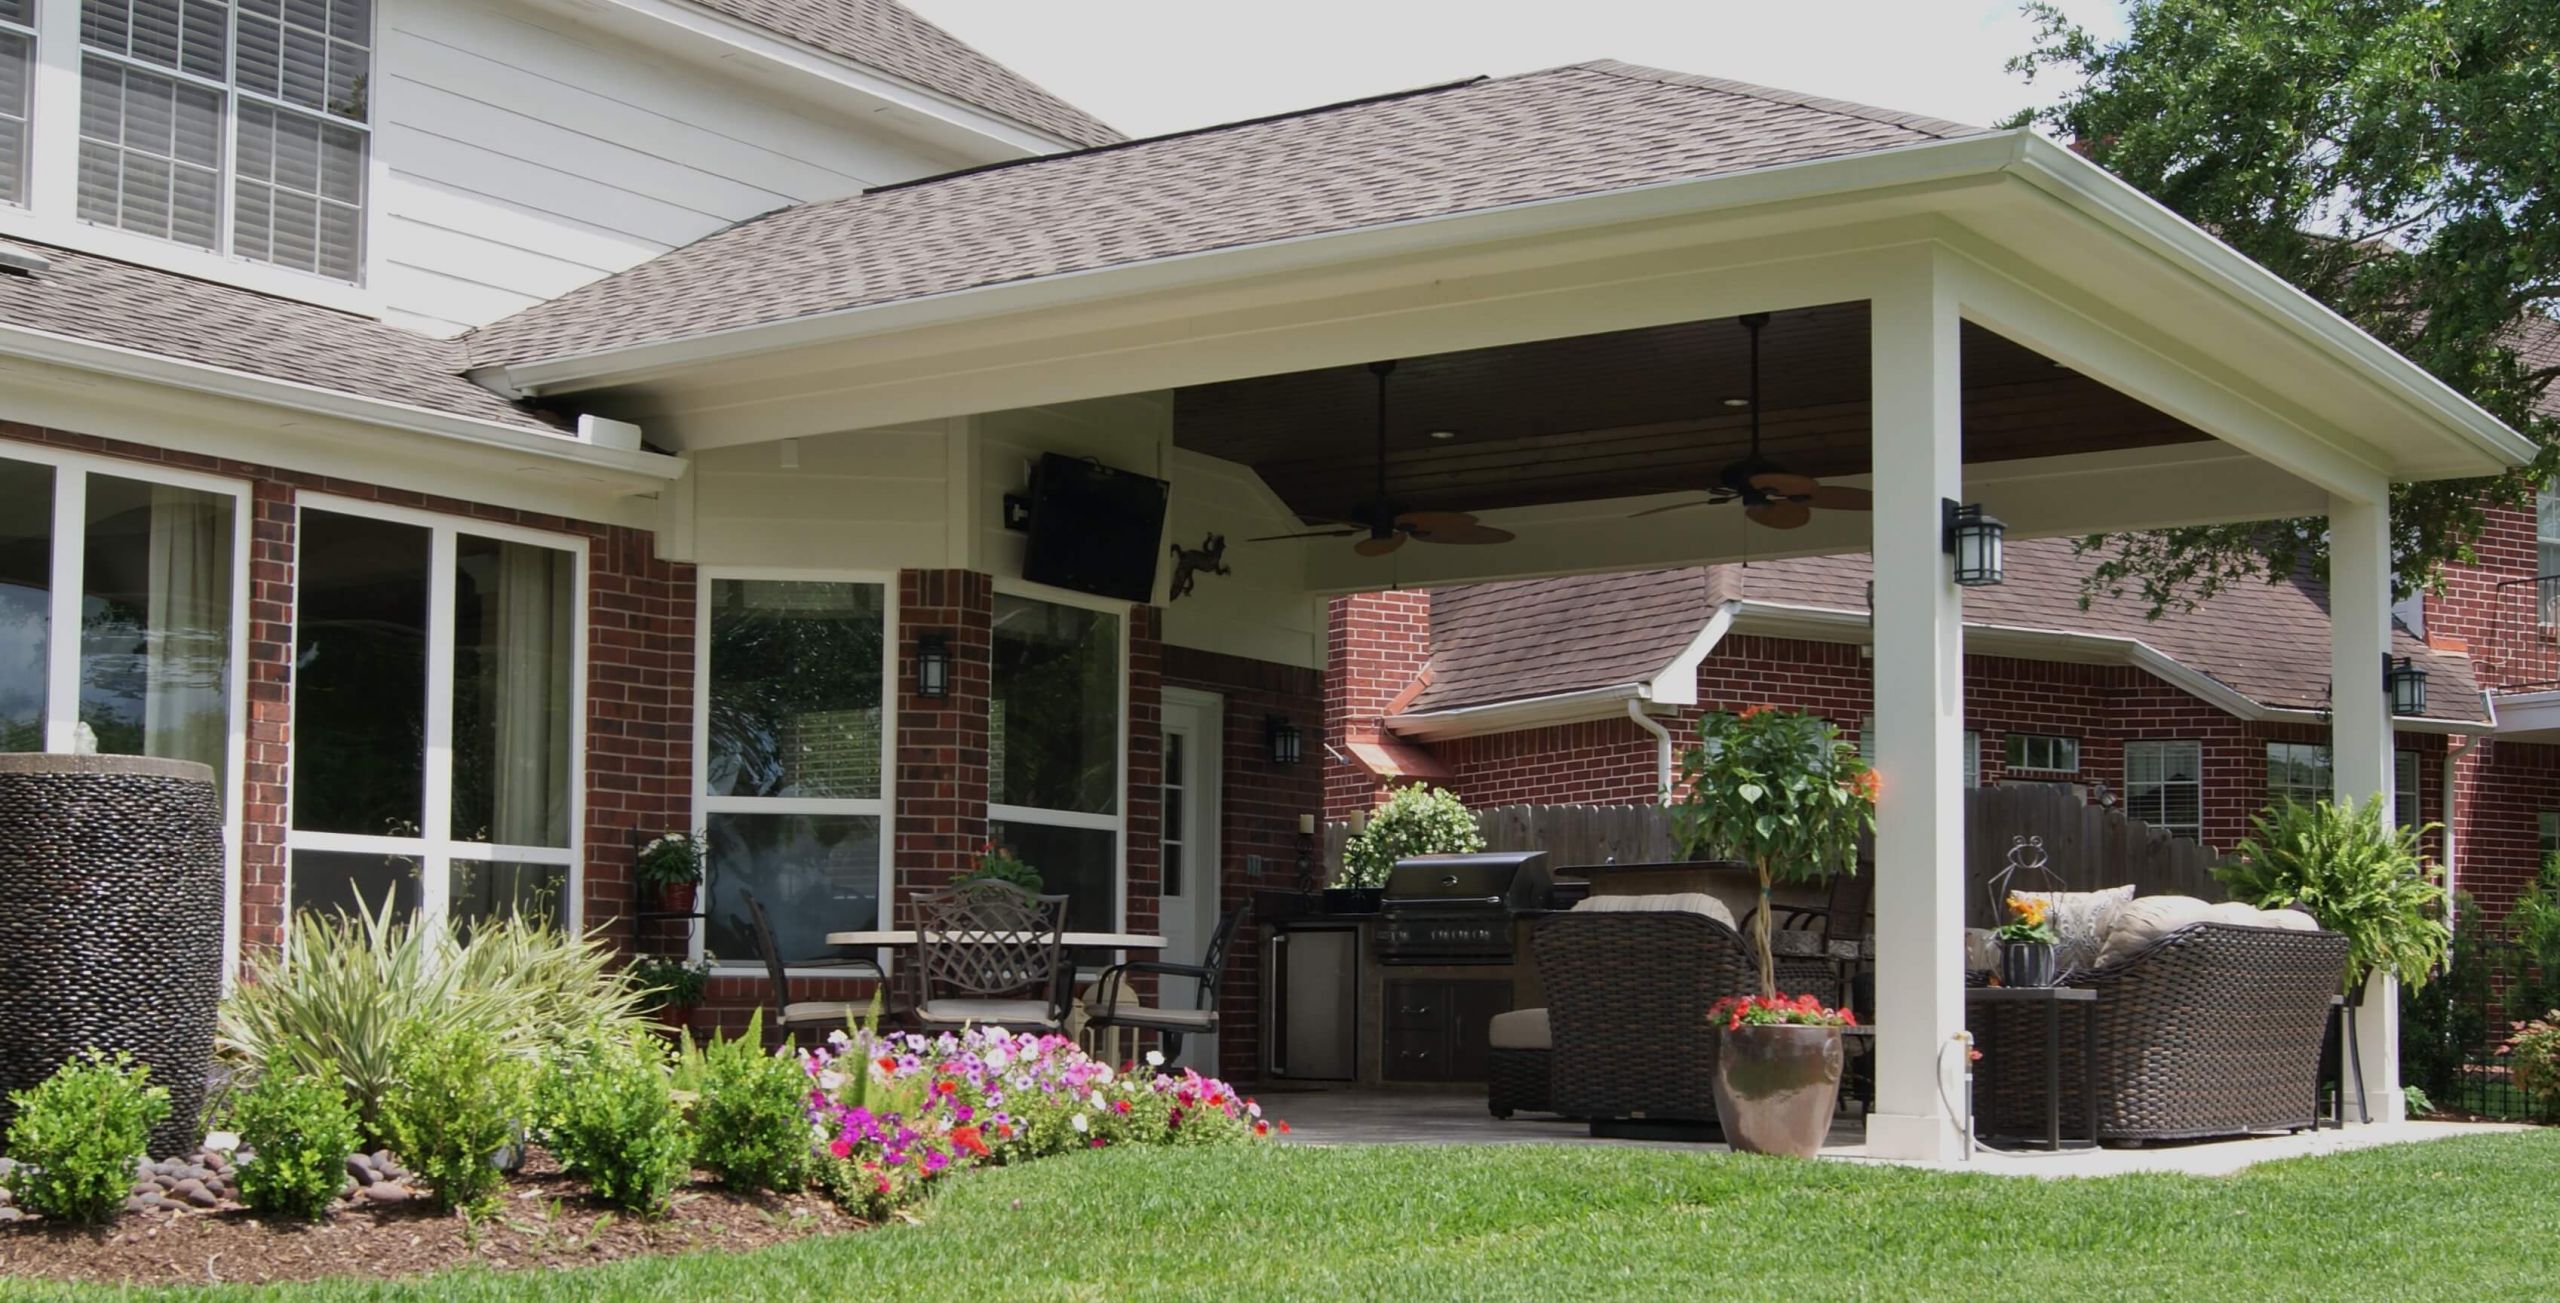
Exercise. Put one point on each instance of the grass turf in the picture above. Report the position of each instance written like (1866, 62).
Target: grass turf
(2458, 1219)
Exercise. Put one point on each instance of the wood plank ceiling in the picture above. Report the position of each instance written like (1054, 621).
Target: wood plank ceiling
(1626, 413)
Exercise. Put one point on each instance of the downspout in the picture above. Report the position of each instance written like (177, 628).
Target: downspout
(1661, 747)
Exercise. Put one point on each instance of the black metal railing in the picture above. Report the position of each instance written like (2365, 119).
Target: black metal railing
(2456, 1034)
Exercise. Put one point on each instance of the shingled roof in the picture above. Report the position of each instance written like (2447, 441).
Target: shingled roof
(2266, 642)
(889, 37)
(103, 301)
(1583, 129)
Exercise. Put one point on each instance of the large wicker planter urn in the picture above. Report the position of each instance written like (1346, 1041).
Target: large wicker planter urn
(1776, 1087)
(111, 889)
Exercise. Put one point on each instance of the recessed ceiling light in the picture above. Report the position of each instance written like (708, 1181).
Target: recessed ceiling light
(1444, 434)
(1737, 402)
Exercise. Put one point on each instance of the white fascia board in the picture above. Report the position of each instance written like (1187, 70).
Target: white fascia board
(2102, 195)
(1514, 716)
(631, 470)
(1677, 684)
(684, 25)
(1926, 163)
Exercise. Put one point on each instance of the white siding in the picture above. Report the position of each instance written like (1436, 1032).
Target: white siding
(519, 155)
(865, 500)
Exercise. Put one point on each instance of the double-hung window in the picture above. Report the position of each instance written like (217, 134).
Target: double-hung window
(436, 706)
(229, 126)
(17, 92)
(2406, 809)
(2546, 539)
(795, 736)
(2298, 771)
(1054, 751)
(2164, 786)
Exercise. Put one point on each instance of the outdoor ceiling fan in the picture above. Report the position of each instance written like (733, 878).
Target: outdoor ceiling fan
(1384, 527)
(1771, 495)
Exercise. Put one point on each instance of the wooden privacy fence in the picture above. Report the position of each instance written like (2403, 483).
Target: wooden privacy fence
(2086, 846)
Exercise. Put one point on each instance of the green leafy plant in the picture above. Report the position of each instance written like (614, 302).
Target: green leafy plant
(77, 1134)
(672, 860)
(2028, 922)
(2444, 1023)
(299, 1132)
(344, 989)
(1000, 863)
(1417, 820)
(2533, 1059)
(2534, 921)
(611, 1118)
(1780, 790)
(461, 1092)
(668, 982)
(2419, 1101)
(2359, 874)
(751, 1122)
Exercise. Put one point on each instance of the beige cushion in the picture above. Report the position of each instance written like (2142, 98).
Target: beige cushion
(1197, 1019)
(1520, 1029)
(1693, 902)
(2290, 920)
(804, 1012)
(2141, 922)
(2080, 921)
(1000, 1013)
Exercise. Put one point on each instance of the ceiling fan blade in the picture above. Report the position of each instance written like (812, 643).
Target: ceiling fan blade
(1328, 533)
(1433, 520)
(1378, 546)
(1833, 497)
(1780, 514)
(1783, 485)
(1471, 534)
(1677, 506)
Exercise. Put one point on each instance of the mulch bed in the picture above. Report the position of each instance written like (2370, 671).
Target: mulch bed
(548, 1221)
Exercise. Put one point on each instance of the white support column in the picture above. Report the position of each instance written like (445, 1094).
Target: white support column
(2360, 739)
(1919, 709)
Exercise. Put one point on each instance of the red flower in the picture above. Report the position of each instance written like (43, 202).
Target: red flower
(840, 1147)
(1868, 785)
(968, 1141)
(1284, 1128)
(887, 1064)
(1120, 1106)
(1262, 1128)
(1750, 711)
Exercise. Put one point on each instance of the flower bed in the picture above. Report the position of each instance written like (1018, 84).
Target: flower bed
(895, 1112)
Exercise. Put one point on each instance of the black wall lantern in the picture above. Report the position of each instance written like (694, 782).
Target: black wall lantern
(1287, 746)
(2406, 683)
(1973, 539)
(933, 665)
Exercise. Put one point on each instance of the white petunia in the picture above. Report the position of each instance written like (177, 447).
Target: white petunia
(1077, 1122)
(1155, 1058)
(221, 1142)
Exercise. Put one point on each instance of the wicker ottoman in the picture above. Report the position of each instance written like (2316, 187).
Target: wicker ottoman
(1516, 1062)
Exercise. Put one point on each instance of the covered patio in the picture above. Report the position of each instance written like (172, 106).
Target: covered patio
(1955, 317)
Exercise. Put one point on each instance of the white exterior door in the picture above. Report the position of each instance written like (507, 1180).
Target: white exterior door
(1192, 761)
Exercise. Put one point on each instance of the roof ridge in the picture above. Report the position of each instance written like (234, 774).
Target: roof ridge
(1939, 127)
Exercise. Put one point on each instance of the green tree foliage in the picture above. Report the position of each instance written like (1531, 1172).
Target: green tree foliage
(1781, 791)
(2393, 158)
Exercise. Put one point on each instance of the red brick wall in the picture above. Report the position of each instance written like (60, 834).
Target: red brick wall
(1379, 642)
(639, 774)
(2503, 795)
(942, 778)
(2497, 625)
(1146, 778)
(1258, 818)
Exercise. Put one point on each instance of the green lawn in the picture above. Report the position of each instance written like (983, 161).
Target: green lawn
(2471, 1219)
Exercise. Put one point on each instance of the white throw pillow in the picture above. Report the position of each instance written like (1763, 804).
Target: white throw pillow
(1693, 902)
(2080, 921)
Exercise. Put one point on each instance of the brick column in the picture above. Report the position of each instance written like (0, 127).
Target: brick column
(1145, 842)
(641, 613)
(266, 779)
(942, 780)
(1378, 643)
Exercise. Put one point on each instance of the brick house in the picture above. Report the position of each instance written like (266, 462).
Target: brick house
(491, 436)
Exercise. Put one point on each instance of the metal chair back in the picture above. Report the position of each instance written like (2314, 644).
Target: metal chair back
(1213, 962)
(775, 971)
(986, 939)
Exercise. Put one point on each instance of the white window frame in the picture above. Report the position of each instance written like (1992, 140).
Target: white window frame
(435, 848)
(50, 209)
(882, 807)
(2325, 788)
(35, 61)
(2055, 742)
(1116, 823)
(2408, 809)
(2192, 832)
(62, 647)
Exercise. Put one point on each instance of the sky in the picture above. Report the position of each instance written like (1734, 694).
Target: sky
(1152, 66)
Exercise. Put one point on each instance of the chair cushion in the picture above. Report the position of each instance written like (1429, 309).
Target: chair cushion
(2080, 921)
(1520, 1029)
(1693, 902)
(1148, 1015)
(1000, 1013)
(2144, 921)
(816, 1011)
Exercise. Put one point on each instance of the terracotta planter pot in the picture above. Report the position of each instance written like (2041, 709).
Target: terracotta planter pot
(1776, 1088)
(2026, 963)
(675, 897)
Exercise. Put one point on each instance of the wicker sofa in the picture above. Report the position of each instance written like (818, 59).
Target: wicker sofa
(1627, 1000)
(2215, 1029)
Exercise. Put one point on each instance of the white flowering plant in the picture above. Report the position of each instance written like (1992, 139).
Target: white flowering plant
(670, 860)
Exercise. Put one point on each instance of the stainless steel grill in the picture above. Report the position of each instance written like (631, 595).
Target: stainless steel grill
(1458, 909)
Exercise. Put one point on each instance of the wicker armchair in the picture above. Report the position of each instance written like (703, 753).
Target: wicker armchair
(1627, 1000)
(2214, 1030)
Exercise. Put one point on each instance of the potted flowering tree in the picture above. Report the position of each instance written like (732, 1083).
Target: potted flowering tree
(1783, 792)
(2026, 943)
(670, 867)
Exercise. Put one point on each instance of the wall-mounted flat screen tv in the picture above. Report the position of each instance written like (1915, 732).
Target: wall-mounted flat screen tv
(1094, 529)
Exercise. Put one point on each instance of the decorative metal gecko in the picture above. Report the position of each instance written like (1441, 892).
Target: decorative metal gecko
(1189, 563)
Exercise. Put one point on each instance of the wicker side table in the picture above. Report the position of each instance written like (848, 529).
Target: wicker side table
(2051, 999)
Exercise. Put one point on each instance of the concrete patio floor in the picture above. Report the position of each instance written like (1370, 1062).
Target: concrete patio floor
(1419, 1117)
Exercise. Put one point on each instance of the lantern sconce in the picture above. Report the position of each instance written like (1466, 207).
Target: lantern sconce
(1973, 539)
(933, 665)
(2406, 684)
(1288, 746)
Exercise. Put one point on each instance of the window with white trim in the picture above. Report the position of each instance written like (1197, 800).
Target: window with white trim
(2043, 752)
(2164, 786)
(2298, 771)
(2405, 806)
(241, 127)
(795, 736)
(436, 701)
(1054, 751)
(17, 94)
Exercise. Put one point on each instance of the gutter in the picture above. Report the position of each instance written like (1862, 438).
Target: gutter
(638, 471)
(1661, 748)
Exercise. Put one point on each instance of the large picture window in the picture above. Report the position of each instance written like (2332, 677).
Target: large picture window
(1053, 751)
(165, 85)
(436, 701)
(794, 760)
